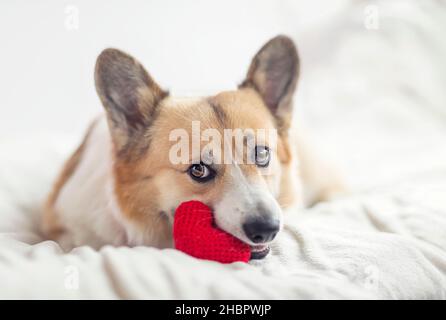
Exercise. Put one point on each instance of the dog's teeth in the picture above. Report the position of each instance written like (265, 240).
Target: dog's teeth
(259, 248)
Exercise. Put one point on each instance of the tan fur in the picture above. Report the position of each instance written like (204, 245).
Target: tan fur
(322, 180)
(136, 180)
(147, 186)
(139, 184)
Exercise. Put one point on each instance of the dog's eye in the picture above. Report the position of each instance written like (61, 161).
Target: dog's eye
(262, 156)
(201, 172)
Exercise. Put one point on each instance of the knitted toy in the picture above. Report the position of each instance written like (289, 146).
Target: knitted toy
(194, 233)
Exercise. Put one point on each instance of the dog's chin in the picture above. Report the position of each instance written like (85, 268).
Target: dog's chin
(259, 252)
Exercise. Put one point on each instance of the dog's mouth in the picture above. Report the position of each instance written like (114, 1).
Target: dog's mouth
(259, 251)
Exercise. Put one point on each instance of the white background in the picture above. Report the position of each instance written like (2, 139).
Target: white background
(190, 47)
(373, 98)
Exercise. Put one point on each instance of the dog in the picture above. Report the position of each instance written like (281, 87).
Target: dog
(120, 186)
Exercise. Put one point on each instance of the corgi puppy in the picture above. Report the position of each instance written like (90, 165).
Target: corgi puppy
(121, 187)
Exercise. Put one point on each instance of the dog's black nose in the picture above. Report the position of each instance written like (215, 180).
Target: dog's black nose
(261, 230)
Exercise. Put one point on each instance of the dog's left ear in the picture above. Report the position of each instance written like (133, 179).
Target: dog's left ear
(273, 74)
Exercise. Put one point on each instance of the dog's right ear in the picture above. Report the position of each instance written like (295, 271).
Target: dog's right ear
(273, 74)
(129, 95)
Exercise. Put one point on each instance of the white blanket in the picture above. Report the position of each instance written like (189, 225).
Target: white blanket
(376, 245)
(374, 99)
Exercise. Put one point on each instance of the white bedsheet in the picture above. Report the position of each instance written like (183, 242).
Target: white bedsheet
(382, 244)
(378, 106)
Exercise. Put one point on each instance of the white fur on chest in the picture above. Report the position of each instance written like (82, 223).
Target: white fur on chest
(86, 204)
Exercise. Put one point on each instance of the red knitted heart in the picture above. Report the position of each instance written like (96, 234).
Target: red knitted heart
(195, 234)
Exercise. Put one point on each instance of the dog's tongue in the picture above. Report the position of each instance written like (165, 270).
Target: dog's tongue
(195, 234)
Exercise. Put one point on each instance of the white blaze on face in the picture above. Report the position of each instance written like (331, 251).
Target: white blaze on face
(241, 201)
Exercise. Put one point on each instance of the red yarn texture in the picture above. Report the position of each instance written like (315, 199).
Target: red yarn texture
(195, 234)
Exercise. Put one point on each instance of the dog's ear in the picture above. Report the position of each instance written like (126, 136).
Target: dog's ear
(273, 74)
(130, 96)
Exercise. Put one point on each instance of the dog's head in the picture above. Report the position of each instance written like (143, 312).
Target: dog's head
(169, 150)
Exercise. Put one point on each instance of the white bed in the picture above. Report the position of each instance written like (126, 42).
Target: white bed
(373, 99)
